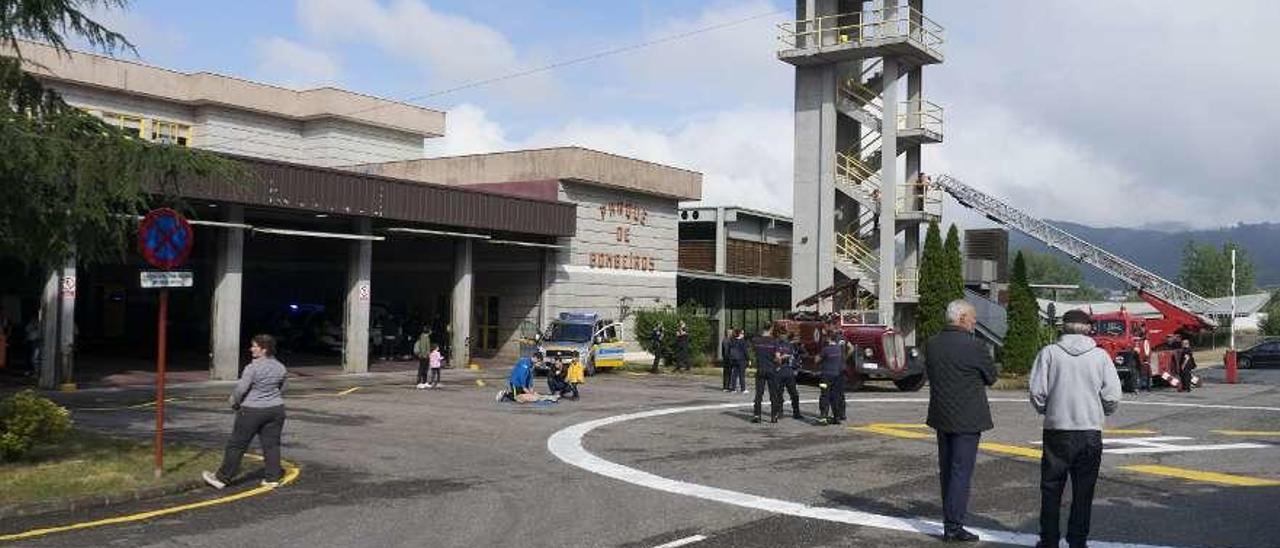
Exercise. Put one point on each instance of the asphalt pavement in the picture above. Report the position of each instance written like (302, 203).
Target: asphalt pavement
(645, 461)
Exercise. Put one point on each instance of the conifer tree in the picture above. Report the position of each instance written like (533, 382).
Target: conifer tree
(1023, 338)
(933, 298)
(954, 265)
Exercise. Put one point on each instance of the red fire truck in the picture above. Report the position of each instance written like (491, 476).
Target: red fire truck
(1135, 342)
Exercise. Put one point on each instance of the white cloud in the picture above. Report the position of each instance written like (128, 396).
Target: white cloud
(155, 42)
(744, 154)
(736, 64)
(449, 49)
(468, 130)
(294, 65)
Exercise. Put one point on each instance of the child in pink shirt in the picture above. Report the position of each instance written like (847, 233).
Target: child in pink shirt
(437, 361)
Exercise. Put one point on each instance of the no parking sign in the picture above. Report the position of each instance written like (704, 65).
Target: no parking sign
(165, 238)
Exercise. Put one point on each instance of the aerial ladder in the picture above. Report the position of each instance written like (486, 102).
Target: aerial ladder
(1166, 296)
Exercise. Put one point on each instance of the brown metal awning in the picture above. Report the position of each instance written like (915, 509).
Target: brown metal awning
(314, 189)
(833, 290)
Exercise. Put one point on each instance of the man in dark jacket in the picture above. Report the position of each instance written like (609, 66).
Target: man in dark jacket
(767, 357)
(832, 357)
(655, 337)
(739, 355)
(726, 367)
(788, 369)
(959, 370)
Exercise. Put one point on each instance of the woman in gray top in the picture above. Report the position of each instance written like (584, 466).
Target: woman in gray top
(259, 405)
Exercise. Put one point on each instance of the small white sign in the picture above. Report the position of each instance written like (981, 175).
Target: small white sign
(174, 278)
(869, 365)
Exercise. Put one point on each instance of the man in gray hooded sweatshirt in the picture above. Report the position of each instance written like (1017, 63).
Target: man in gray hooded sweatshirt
(1074, 385)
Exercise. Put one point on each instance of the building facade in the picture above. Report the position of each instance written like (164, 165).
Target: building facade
(735, 266)
(623, 254)
(346, 266)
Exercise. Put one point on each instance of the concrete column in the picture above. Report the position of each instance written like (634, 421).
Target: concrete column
(49, 330)
(67, 324)
(722, 316)
(544, 276)
(888, 189)
(228, 284)
(355, 346)
(722, 242)
(813, 250)
(463, 289)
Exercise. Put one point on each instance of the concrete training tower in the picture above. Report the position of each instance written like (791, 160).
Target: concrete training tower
(853, 194)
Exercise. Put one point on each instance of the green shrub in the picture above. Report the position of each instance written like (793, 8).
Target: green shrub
(699, 332)
(26, 420)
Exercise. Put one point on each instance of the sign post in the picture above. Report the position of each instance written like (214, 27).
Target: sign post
(164, 238)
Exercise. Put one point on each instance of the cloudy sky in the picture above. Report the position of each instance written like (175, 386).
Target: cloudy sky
(1106, 112)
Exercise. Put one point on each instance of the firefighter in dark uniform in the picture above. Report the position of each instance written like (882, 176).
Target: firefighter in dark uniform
(767, 356)
(788, 368)
(832, 356)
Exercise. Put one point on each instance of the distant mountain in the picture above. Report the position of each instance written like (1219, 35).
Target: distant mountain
(1158, 248)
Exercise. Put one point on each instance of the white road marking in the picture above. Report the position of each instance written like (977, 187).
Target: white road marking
(566, 445)
(682, 542)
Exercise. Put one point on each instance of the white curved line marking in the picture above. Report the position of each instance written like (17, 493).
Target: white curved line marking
(566, 445)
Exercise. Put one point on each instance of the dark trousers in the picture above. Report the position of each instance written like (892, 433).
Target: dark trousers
(957, 453)
(434, 378)
(737, 376)
(682, 358)
(423, 366)
(832, 398)
(1184, 376)
(787, 381)
(1075, 453)
(769, 382)
(726, 373)
(556, 385)
(1144, 378)
(264, 422)
(656, 357)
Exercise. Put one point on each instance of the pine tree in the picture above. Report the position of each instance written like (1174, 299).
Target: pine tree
(933, 299)
(954, 265)
(1023, 338)
(71, 181)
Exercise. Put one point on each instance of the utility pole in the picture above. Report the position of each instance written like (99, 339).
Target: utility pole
(1232, 323)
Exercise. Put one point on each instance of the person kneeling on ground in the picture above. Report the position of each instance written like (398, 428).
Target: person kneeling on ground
(259, 404)
(556, 377)
(520, 383)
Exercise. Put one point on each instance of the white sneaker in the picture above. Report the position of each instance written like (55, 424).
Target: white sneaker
(499, 396)
(744, 391)
(420, 386)
(212, 479)
(270, 484)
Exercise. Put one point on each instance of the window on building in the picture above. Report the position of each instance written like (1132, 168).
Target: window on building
(131, 124)
(160, 131)
(170, 133)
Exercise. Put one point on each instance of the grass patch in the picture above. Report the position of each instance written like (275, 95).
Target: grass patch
(90, 464)
(1012, 382)
(643, 367)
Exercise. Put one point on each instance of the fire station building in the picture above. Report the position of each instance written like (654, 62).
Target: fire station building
(344, 240)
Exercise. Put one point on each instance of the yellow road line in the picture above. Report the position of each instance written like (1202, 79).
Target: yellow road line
(909, 431)
(1201, 476)
(348, 391)
(291, 473)
(1255, 433)
(1128, 431)
(892, 431)
(1014, 450)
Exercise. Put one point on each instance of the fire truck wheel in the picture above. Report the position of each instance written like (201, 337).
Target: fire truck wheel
(1129, 381)
(910, 383)
(1244, 363)
(853, 382)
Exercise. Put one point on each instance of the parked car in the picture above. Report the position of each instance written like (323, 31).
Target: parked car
(1263, 353)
